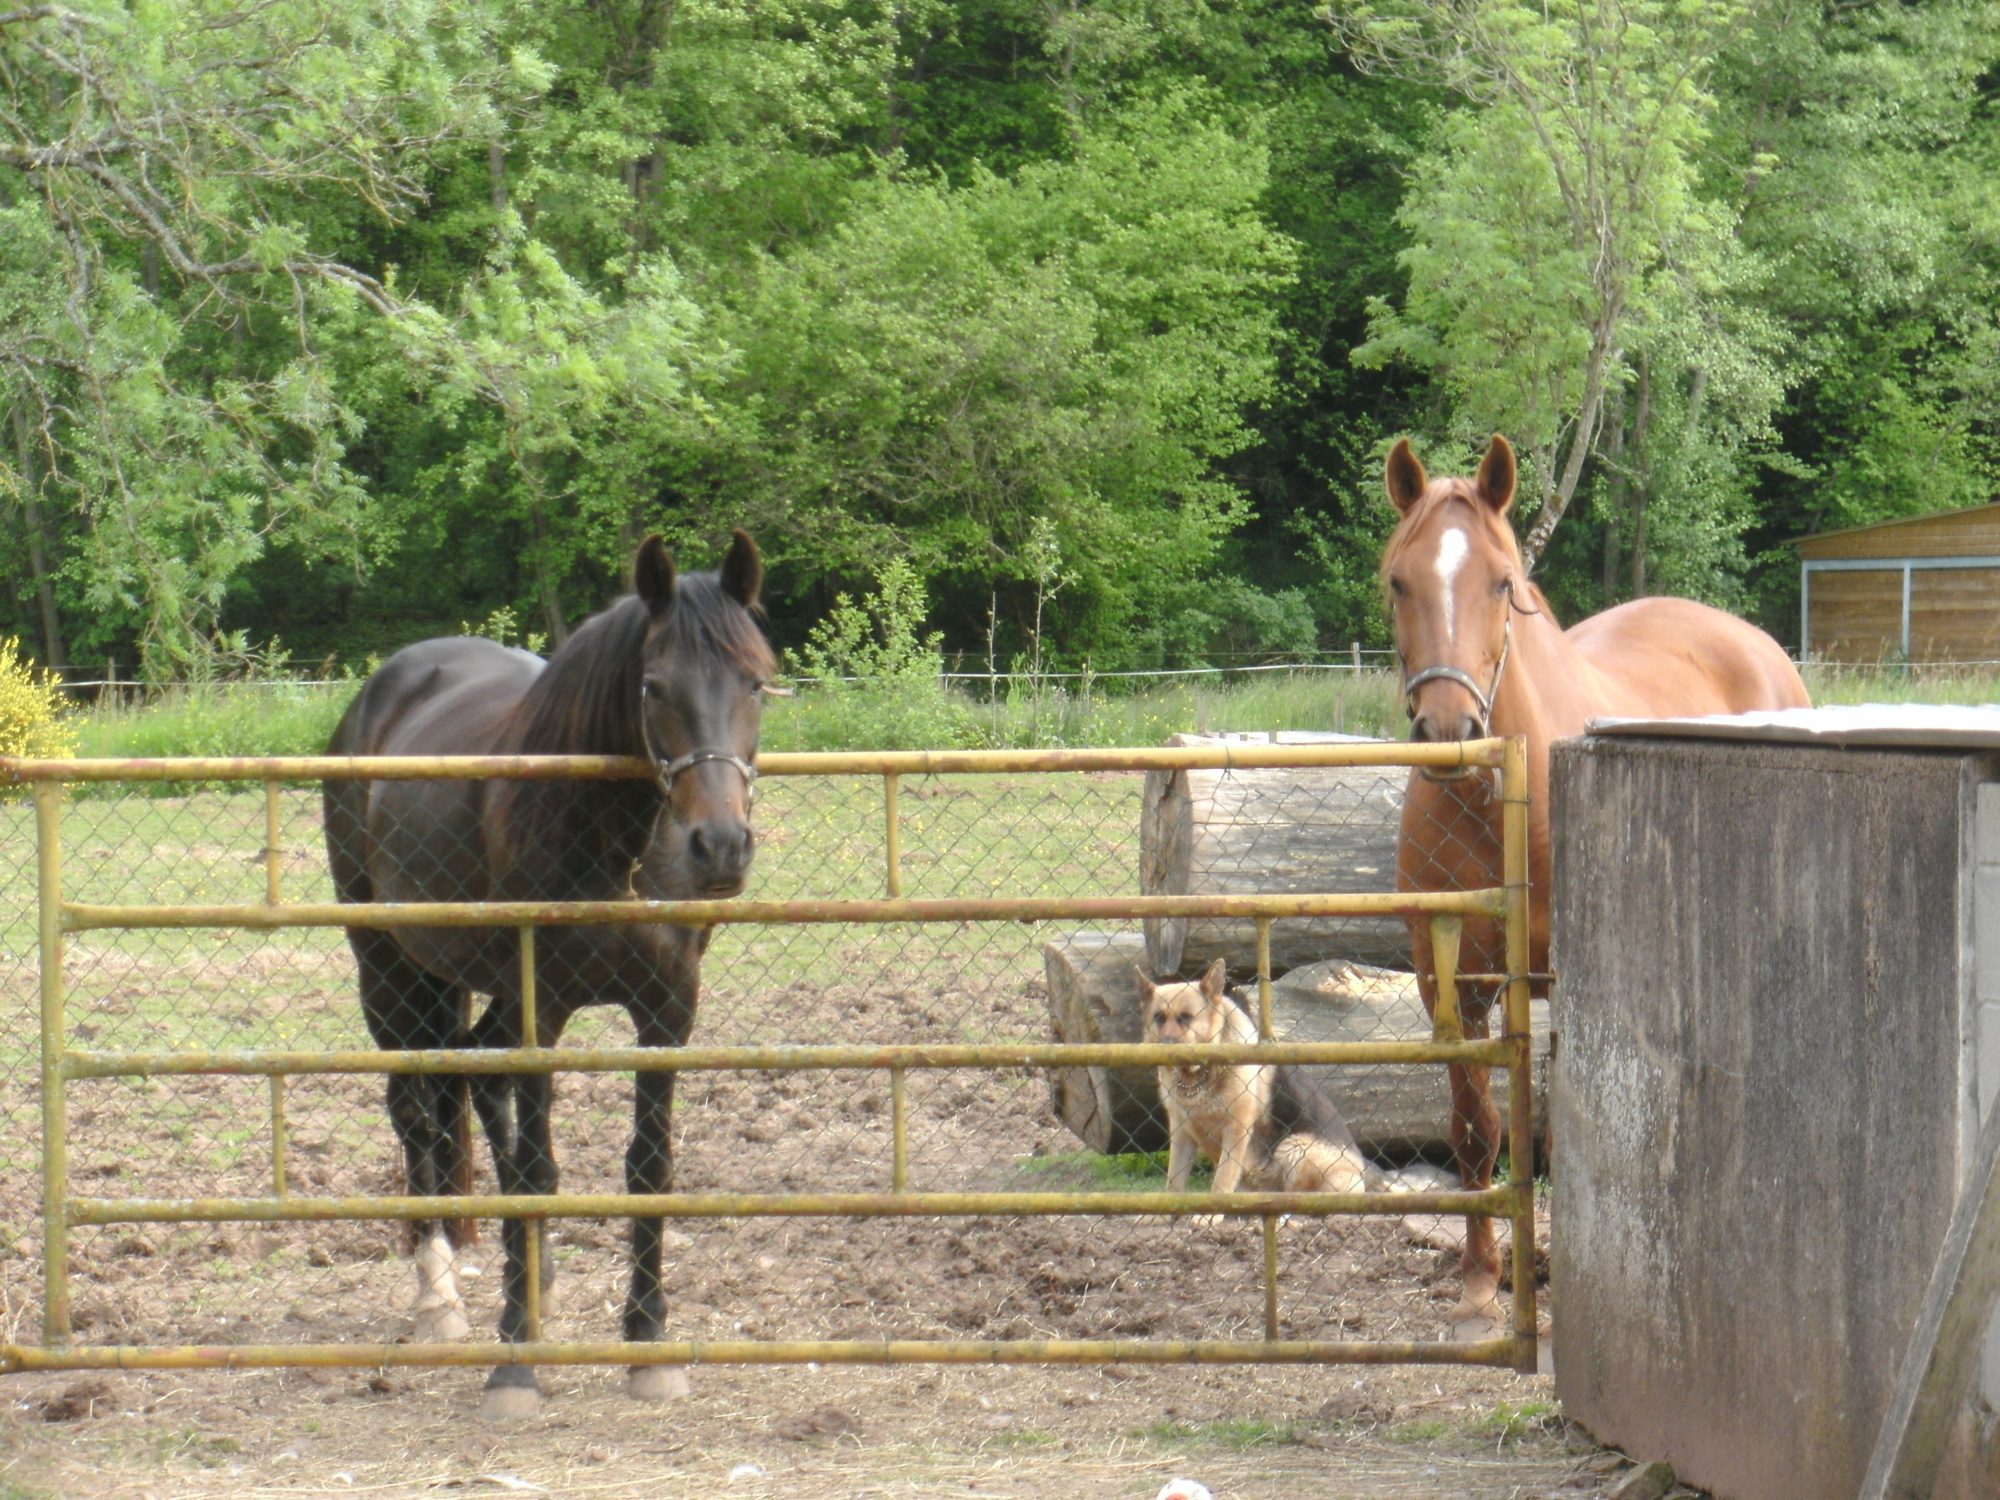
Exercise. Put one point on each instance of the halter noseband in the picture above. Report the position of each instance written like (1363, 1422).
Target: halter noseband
(666, 772)
(1464, 679)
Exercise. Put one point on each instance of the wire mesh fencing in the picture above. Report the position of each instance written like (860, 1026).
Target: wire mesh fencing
(1026, 893)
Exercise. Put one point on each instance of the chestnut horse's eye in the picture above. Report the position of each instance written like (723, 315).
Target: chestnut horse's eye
(1396, 587)
(1503, 588)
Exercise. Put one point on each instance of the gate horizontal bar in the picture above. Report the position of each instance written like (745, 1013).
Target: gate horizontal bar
(1496, 1052)
(1392, 753)
(1498, 1201)
(84, 917)
(1508, 1352)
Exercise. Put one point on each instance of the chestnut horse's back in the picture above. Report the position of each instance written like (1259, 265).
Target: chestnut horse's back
(1677, 658)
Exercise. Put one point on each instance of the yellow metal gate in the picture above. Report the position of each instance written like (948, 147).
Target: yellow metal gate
(67, 792)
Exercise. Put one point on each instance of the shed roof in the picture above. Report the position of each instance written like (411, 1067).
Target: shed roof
(1927, 535)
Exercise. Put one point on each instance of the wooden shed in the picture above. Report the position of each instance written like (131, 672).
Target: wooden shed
(1925, 588)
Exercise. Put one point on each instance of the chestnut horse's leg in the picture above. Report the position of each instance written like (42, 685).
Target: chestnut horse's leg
(1475, 1142)
(1475, 1146)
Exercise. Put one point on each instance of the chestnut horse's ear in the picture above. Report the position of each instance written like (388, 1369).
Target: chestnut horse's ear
(1494, 482)
(1405, 476)
(743, 571)
(1213, 981)
(653, 576)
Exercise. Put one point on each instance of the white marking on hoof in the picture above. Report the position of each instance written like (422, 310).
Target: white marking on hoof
(439, 1311)
(442, 1325)
(510, 1403)
(657, 1383)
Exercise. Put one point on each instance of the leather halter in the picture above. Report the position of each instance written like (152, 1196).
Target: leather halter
(1464, 679)
(666, 772)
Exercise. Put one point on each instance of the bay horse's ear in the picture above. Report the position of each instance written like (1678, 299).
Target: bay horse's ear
(1494, 482)
(653, 576)
(743, 571)
(1213, 981)
(1405, 476)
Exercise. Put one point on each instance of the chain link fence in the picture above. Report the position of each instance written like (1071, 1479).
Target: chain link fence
(1060, 840)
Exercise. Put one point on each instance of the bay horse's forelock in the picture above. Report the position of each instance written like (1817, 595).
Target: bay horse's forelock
(1647, 658)
(696, 638)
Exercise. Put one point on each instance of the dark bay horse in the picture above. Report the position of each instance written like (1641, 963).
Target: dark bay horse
(673, 672)
(1482, 654)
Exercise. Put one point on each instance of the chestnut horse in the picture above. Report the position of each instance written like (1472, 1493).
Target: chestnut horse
(1482, 654)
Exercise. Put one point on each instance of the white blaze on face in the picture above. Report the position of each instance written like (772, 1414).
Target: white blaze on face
(1452, 548)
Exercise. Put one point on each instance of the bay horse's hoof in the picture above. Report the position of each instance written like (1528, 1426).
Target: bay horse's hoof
(511, 1403)
(442, 1325)
(657, 1383)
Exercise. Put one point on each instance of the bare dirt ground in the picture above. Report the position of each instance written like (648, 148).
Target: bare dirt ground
(831, 1431)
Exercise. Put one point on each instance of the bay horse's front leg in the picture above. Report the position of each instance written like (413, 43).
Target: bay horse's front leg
(649, 1168)
(512, 1391)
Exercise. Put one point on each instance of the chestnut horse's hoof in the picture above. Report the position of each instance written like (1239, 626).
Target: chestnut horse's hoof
(510, 1401)
(1471, 1322)
(657, 1382)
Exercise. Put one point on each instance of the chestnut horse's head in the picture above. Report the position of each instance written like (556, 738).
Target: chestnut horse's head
(1452, 573)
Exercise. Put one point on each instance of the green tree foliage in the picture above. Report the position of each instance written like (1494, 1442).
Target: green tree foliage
(352, 323)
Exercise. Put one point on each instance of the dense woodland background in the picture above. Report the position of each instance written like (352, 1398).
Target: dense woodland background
(1079, 328)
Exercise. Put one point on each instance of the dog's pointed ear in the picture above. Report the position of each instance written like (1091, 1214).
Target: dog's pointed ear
(1404, 475)
(653, 576)
(1142, 984)
(1214, 979)
(743, 570)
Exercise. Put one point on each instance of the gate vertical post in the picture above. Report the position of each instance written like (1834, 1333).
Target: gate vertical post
(893, 833)
(55, 1112)
(1520, 1067)
(531, 1227)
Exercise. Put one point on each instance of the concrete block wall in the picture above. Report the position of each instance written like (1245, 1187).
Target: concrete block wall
(1775, 1029)
(1985, 1019)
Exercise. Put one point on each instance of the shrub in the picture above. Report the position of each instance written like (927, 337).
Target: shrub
(34, 716)
(870, 678)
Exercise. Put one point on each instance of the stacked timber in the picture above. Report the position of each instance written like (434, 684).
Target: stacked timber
(1251, 832)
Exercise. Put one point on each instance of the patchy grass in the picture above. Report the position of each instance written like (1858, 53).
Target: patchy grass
(1235, 1434)
(1512, 1421)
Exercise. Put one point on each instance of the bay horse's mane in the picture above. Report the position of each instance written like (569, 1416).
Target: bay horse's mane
(1457, 491)
(587, 702)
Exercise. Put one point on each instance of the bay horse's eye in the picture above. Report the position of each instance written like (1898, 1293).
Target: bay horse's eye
(649, 689)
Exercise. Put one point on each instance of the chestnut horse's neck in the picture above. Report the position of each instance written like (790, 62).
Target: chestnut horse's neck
(1548, 688)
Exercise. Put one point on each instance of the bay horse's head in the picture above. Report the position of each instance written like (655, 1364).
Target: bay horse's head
(704, 668)
(1452, 573)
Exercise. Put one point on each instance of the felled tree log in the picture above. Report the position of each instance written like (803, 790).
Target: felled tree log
(1397, 1113)
(1247, 832)
(1094, 997)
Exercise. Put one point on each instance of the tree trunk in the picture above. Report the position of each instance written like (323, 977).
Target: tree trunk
(54, 652)
(1616, 498)
(1264, 832)
(1642, 422)
(1094, 997)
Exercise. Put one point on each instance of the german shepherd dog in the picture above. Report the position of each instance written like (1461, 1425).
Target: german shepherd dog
(1264, 1125)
